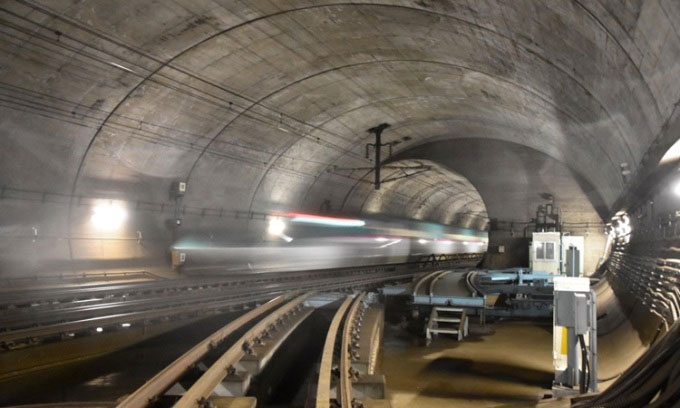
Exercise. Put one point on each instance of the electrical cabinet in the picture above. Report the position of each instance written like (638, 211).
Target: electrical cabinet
(556, 253)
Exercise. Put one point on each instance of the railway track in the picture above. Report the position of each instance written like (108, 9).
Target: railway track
(29, 318)
(156, 386)
(347, 372)
(224, 378)
(347, 375)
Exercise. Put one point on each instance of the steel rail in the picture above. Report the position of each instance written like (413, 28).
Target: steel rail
(423, 279)
(436, 279)
(323, 388)
(169, 375)
(203, 388)
(345, 389)
(43, 317)
(133, 317)
(81, 311)
(89, 291)
(30, 299)
(327, 284)
(60, 296)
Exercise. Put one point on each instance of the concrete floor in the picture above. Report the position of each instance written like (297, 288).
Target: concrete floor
(507, 363)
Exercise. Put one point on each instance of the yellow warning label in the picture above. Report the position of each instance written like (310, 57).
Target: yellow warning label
(564, 340)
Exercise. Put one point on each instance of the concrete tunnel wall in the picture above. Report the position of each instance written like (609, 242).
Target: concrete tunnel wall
(253, 103)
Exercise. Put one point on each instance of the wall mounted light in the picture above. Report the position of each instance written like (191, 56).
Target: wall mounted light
(108, 216)
(277, 228)
(676, 189)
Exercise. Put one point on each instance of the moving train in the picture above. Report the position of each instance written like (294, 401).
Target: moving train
(301, 241)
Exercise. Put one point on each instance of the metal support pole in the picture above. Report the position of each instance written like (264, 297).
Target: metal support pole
(378, 145)
(377, 130)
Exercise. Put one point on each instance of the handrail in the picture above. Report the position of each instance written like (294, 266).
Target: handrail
(323, 388)
(461, 324)
(164, 379)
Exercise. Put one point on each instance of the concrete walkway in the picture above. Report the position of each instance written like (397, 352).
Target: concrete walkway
(507, 363)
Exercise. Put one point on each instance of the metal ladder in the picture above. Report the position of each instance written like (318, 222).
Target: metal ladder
(447, 320)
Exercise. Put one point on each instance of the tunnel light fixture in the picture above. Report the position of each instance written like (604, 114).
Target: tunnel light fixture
(423, 241)
(125, 325)
(276, 226)
(108, 216)
(99, 329)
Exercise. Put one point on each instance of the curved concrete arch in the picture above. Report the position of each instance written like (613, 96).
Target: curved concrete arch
(204, 41)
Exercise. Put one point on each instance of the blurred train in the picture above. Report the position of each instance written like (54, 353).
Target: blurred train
(300, 241)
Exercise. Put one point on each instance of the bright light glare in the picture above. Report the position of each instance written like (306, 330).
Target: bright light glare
(125, 325)
(620, 226)
(276, 226)
(396, 241)
(423, 241)
(382, 239)
(99, 329)
(330, 221)
(676, 189)
(108, 216)
(466, 243)
(445, 241)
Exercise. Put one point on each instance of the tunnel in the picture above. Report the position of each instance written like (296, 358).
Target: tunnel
(178, 174)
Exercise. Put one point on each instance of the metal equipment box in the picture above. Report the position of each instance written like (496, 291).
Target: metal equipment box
(544, 252)
(557, 253)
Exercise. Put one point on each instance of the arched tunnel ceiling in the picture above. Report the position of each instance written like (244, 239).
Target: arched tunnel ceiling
(419, 189)
(523, 180)
(252, 102)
